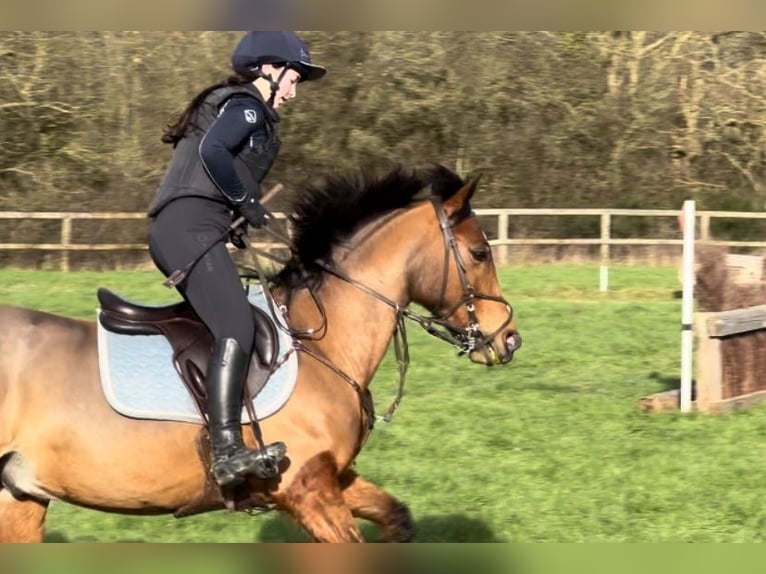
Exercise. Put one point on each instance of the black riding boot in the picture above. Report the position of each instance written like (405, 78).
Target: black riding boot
(232, 461)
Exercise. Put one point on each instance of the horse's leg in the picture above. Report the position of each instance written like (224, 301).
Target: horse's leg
(21, 520)
(315, 500)
(372, 503)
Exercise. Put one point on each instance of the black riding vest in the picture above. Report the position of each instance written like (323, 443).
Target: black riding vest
(186, 175)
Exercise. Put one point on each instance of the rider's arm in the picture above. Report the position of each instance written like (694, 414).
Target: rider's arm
(238, 120)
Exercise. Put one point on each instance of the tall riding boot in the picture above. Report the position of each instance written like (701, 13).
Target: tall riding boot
(232, 461)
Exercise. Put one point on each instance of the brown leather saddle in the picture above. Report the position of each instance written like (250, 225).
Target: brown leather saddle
(190, 340)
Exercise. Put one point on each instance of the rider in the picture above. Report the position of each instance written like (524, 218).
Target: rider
(224, 143)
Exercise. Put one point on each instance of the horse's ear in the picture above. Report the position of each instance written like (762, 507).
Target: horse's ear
(459, 201)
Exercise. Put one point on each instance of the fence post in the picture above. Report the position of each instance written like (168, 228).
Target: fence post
(688, 221)
(704, 227)
(66, 238)
(709, 365)
(606, 225)
(502, 236)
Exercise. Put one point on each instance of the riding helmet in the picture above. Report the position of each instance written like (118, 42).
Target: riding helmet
(275, 47)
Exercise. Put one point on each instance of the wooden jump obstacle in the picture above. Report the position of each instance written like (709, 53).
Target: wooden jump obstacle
(714, 389)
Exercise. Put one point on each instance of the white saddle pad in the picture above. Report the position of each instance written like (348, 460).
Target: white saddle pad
(139, 380)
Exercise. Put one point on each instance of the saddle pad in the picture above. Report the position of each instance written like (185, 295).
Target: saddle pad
(139, 380)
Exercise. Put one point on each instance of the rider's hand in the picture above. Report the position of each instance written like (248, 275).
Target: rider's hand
(238, 235)
(255, 214)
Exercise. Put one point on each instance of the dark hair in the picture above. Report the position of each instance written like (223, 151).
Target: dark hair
(176, 131)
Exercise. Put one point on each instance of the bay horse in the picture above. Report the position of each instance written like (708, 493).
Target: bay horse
(363, 248)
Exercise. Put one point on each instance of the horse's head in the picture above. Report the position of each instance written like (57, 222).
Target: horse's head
(454, 277)
(354, 228)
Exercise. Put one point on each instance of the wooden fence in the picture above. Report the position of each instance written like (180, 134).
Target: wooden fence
(712, 329)
(502, 239)
(729, 349)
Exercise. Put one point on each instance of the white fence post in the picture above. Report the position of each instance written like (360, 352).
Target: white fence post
(66, 240)
(502, 236)
(687, 306)
(606, 225)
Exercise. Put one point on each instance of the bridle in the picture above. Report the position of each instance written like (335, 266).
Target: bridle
(470, 337)
(467, 338)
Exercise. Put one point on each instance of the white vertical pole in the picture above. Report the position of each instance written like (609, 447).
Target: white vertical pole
(502, 236)
(687, 306)
(66, 239)
(606, 224)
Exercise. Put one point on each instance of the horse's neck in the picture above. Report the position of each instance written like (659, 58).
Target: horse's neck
(360, 325)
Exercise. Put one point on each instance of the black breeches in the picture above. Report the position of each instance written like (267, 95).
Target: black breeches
(179, 233)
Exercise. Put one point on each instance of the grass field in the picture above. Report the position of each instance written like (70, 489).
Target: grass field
(550, 448)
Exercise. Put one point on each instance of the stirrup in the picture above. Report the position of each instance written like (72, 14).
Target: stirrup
(263, 463)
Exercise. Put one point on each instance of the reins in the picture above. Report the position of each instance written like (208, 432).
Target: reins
(466, 339)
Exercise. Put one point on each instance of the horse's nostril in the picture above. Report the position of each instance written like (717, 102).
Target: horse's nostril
(512, 341)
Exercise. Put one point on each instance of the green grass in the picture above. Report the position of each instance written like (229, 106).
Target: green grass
(550, 448)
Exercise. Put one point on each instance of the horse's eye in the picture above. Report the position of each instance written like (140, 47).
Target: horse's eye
(480, 255)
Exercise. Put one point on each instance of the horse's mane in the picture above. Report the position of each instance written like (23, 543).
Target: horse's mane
(326, 213)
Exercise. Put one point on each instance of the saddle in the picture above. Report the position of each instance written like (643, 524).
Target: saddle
(190, 339)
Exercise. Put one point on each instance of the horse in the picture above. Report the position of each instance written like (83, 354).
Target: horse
(363, 249)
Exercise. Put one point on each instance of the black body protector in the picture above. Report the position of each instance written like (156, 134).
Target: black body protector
(186, 176)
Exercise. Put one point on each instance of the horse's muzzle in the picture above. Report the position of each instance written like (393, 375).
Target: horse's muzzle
(490, 355)
(512, 344)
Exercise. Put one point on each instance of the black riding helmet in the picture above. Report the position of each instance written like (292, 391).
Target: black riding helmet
(274, 47)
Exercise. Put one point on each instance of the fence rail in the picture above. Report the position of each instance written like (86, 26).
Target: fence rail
(501, 243)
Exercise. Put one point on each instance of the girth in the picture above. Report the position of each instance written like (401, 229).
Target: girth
(190, 339)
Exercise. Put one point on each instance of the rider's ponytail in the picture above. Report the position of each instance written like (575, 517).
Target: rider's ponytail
(176, 131)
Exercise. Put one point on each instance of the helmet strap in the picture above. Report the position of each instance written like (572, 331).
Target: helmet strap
(273, 85)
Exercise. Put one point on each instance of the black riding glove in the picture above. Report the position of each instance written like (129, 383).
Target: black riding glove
(255, 214)
(237, 236)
